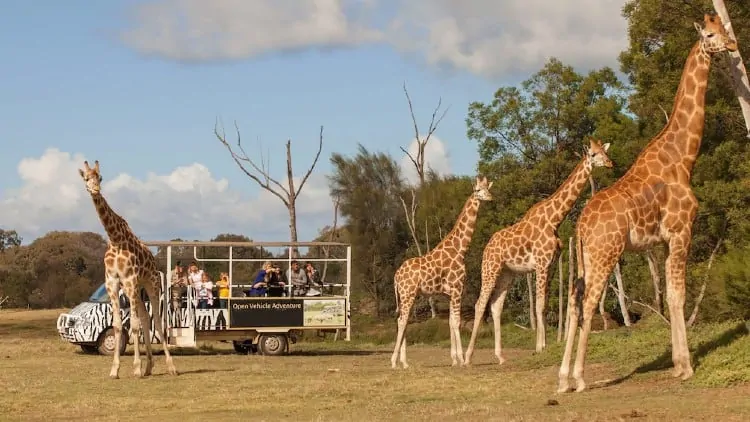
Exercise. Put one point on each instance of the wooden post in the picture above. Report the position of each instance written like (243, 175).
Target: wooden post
(739, 74)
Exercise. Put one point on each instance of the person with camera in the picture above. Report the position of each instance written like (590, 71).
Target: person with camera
(260, 284)
(276, 282)
(298, 277)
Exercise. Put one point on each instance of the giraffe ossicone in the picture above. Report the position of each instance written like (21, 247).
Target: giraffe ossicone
(439, 271)
(652, 203)
(529, 245)
(128, 263)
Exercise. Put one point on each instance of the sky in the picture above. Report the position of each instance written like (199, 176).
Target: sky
(139, 86)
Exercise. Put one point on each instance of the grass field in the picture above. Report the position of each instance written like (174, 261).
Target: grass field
(44, 378)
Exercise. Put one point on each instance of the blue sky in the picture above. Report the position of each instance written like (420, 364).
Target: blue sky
(72, 81)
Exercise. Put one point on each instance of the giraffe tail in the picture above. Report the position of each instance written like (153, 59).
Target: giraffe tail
(395, 290)
(580, 286)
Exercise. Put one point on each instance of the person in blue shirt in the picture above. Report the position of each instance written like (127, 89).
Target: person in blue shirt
(260, 284)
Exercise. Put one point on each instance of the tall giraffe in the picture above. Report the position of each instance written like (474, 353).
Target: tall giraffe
(129, 262)
(651, 203)
(440, 270)
(531, 244)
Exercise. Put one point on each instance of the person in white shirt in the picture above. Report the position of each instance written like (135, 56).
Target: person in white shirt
(195, 278)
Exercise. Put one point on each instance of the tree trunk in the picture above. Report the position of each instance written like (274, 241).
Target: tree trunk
(621, 296)
(292, 200)
(605, 324)
(737, 66)
(656, 280)
(530, 285)
(698, 301)
(560, 296)
(571, 279)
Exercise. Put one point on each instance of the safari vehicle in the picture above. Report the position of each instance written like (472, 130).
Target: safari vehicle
(253, 324)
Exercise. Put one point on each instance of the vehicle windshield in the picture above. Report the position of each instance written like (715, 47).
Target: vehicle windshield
(100, 295)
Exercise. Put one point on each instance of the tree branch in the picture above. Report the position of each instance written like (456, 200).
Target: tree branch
(698, 301)
(243, 159)
(419, 160)
(315, 161)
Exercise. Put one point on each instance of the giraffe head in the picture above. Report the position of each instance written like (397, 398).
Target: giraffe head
(596, 154)
(714, 36)
(92, 177)
(482, 189)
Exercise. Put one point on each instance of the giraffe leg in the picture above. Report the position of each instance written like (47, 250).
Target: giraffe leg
(457, 353)
(542, 274)
(596, 279)
(490, 271)
(679, 245)
(146, 329)
(403, 318)
(113, 291)
(496, 308)
(135, 324)
(153, 297)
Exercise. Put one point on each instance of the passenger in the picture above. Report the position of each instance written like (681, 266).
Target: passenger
(298, 278)
(204, 292)
(223, 285)
(276, 283)
(312, 274)
(179, 284)
(258, 288)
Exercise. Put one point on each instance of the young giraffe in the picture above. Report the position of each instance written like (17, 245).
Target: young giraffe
(652, 203)
(530, 245)
(130, 262)
(440, 270)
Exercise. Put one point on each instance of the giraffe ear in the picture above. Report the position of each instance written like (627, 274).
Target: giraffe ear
(490, 185)
(698, 27)
(81, 173)
(605, 147)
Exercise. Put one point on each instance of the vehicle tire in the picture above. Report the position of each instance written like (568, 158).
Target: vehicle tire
(106, 343)
(244, 347)
(272, 344)
(90, 349)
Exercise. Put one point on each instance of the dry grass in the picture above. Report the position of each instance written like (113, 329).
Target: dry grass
(43, 378)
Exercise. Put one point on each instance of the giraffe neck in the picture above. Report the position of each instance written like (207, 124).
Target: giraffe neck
(460, 235)
(116, 227)
(684, 129)
(559, 204)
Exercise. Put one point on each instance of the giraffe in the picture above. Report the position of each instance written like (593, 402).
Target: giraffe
(531, 244)
(651, 203)
(440, 270)
(129, 262)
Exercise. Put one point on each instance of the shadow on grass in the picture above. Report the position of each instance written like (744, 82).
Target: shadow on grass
(336, 352)
(664, 361)
(192, 372)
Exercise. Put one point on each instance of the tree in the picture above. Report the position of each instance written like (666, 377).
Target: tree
(420, 166)
(9, 239)
(261, 175)
(368, 186)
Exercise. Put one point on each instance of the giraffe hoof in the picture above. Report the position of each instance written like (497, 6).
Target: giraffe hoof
(114, 376)
(676, 372)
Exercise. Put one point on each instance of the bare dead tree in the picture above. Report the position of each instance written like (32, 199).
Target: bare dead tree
(656, 280)
(419, 160)
(530, 286)
(737, 67)
(602, 312)
(261, 174)
(419, 166)
(331, 235)
(3, 300)
(621, 296)
(698, 301)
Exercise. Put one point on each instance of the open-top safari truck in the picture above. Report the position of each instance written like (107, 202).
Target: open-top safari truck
(264, 324)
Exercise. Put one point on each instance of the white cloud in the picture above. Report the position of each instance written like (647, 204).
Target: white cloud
(481, 36)
(189, 203)
(435, 155)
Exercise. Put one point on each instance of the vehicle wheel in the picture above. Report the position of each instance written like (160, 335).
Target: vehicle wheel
(244, 347)
(90, 349)
(272, 344)
(106, 343)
